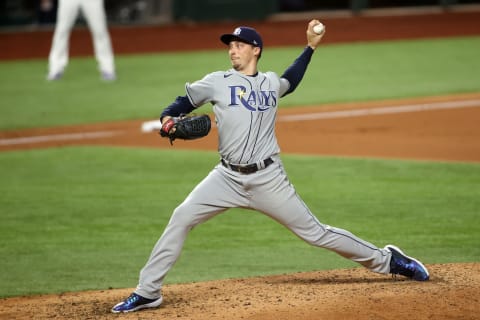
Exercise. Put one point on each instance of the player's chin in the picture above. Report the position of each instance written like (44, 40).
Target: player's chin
(236, 66)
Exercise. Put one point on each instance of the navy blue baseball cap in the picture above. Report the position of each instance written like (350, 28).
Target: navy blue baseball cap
(244, 34)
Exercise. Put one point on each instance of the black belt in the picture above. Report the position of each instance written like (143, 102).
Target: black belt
(249, 168)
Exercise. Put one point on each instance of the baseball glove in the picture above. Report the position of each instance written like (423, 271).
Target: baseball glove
(186, 127)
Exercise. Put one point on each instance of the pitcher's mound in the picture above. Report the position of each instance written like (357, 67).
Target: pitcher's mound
(452, 293)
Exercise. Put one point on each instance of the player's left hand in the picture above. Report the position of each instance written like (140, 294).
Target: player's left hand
(186, 127)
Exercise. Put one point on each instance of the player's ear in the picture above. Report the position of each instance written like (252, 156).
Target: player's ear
(257, 51)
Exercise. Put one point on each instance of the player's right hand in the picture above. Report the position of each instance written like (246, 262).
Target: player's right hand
(313, 39)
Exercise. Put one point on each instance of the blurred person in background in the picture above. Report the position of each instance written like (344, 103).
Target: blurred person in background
(94, 13)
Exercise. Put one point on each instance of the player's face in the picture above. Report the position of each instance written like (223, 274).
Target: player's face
(243, 56)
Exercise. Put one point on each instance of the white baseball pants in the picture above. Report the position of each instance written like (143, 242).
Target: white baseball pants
(94, 13)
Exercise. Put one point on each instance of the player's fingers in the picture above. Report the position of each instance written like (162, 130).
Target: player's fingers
(312, 23)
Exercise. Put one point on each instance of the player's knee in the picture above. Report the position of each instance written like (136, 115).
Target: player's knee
(182, 217)
(189, 216)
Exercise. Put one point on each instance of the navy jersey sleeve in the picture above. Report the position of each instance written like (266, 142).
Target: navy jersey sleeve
(181, 105)
(198, 93)
(295, 72)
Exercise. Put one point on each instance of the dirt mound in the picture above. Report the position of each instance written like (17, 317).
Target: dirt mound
(452, 293)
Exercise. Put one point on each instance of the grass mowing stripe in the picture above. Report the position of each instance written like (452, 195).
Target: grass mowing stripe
(147, 83)
(88, 217)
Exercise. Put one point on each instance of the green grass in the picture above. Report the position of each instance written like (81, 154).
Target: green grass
(87, 218)
(148, 83)
(385, 70)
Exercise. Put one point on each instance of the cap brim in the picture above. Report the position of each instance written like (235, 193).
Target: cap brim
(227, 38)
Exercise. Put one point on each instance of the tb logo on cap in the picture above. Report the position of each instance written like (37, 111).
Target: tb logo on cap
(237, 31)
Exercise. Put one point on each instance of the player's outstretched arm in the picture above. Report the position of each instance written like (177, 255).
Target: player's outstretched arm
(295, 72)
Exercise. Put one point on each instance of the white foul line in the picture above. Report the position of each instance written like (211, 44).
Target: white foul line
(383, 110)
(58, 137)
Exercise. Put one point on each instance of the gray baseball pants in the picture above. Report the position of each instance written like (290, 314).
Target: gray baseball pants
(268, 191)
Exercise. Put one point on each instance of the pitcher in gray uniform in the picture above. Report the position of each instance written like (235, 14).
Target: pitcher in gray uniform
(250, 173)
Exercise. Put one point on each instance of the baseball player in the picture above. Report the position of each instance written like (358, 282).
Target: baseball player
(250, 173)
(94, 13)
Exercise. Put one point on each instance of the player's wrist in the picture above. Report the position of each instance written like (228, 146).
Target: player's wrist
(164, 119)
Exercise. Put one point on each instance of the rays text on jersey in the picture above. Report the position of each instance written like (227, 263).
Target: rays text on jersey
(252, 100)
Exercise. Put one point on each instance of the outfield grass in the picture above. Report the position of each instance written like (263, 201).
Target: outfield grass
(147, 83)
(82, 218)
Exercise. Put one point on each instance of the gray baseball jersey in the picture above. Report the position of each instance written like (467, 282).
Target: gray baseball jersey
(245, 109)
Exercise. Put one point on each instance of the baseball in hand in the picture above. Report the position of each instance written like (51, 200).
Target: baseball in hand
(319, 28)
